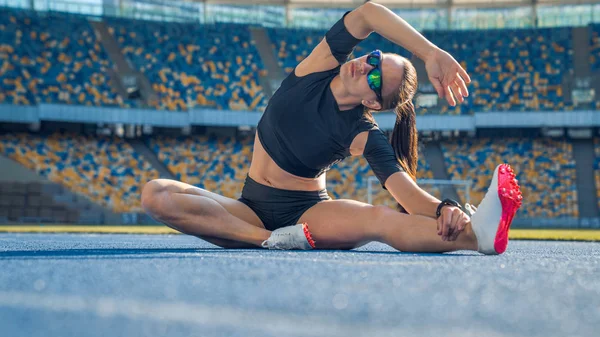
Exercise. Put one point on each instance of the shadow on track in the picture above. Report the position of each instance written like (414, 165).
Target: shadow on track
(137, 253)
(113, 253)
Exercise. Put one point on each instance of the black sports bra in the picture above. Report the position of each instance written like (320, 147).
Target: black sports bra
(304, 131)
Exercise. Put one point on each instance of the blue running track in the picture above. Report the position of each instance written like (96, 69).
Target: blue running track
(61, 285)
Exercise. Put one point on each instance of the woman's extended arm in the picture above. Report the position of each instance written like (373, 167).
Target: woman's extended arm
(408, 194)
(416, 201)
(371, 17)
(366, 19)
(445, 74)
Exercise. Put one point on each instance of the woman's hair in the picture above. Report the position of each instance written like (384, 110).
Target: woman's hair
(404, 137)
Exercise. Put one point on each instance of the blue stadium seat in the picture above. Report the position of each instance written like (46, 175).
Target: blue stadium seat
(104, 169)
(192, 65)
(52, 58)
(545, 169)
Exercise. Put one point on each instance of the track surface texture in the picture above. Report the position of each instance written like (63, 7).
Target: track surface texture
(60, 285)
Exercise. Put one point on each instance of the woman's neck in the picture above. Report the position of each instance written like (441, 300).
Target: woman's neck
(343, 98)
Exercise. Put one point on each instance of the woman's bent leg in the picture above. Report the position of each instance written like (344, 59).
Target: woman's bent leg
(191, 210)
(345, 224)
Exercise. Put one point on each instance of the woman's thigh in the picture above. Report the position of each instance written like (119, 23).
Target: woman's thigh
(232, 206)
(342, 224)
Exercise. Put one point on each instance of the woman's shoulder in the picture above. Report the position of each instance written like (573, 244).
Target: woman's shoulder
(303, 72)
(307, 81)
(366, 122)
(319, 60)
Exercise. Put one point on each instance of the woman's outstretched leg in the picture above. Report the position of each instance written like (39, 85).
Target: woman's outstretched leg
(345, 224)
(191, 210)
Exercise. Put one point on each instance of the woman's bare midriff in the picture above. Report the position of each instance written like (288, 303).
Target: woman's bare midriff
(265, 171)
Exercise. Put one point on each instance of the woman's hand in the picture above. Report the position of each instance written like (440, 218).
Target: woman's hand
(451, 222)
(447, 76)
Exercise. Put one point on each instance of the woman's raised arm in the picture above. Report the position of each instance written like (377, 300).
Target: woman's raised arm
(445, 74)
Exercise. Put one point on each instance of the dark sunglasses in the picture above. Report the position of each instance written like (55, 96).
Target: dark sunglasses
(374, 75)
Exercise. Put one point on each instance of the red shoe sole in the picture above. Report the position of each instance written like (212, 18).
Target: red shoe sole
(309, 238)
(511, 198)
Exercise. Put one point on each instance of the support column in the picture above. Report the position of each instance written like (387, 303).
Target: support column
(449, 14)
(288, 14)
(534, 8)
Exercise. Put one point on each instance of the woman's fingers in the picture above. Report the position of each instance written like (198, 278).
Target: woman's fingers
(457, 93)
(456, 90)
(456, 218)
(438, 87)
(463, 87)
(448, 77)
(449, 219)
(448, 95)
(457, 229)
(463, 220)
(451, 223)
(463, 74)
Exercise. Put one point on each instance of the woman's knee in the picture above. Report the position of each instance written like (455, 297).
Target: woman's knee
(380, 213)
(153, 195)
(383, 217)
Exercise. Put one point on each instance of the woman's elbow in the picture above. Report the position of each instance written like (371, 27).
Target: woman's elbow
(370, 6)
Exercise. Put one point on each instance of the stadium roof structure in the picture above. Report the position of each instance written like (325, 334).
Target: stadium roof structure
(403, 3)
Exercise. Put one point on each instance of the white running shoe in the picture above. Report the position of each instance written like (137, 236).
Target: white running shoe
(492, 219)
(290, 237)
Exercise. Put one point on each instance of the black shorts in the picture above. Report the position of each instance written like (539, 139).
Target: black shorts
(276, 207)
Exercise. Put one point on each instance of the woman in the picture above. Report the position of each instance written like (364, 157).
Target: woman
(322, 114)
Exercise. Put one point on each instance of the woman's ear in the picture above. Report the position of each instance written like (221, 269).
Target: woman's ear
(373, 105)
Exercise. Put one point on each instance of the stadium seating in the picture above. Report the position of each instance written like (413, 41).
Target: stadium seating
(545, 169)
(518, 70)
(221, 164)
(216, 164)
(291, 46)
(376, 41)
(105, 169)
(349, 180)
(193, 65)
(110, 173)
(56, 58)
(595, 46)
(294, 45)
(52, 58)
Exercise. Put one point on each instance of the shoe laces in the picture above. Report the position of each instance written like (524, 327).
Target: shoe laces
(471, 209)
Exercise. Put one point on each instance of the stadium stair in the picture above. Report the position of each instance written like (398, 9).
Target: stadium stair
(123, 67)
(581, 65)
(583, 153)
(25, 203)
(140, 147)
(434, 156)
(581, 51)
(26, 197)
(275, 74)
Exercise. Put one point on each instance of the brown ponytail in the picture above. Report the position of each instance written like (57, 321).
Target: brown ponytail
(404, 137)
